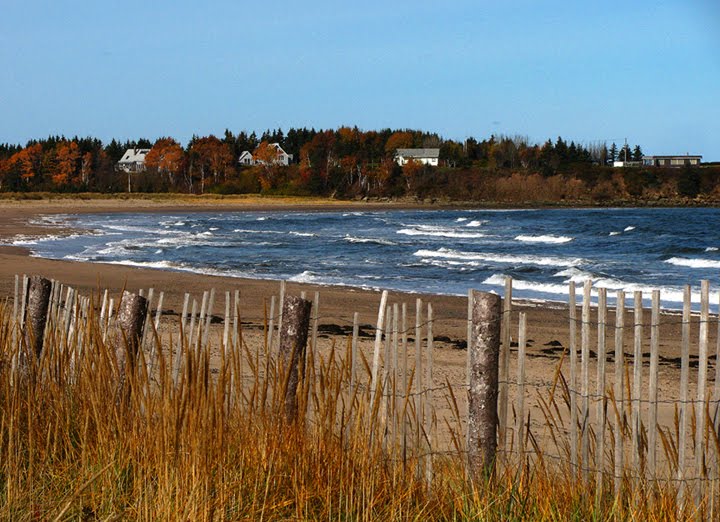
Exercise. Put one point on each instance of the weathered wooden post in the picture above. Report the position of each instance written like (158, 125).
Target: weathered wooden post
(483, 400)
(38, 300)
(293, 341)
(131, 319)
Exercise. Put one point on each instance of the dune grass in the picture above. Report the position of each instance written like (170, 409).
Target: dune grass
(213, 444)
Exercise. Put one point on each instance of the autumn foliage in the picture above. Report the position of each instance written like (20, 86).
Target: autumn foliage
(351, 163)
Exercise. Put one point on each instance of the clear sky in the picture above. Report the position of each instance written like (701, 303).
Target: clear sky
(648, 71)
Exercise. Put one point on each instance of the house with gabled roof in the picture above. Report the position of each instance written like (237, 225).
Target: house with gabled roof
(132, 161)
(424, 156)
(281, 157)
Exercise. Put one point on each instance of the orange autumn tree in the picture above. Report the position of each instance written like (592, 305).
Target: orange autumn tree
(67, 155)
(166, 157)
(29, 162)
(266, 157)
(398, 140)
(410, 171)
(212, 156)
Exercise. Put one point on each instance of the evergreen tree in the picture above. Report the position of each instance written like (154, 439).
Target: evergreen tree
(612, 153)
(637, 153)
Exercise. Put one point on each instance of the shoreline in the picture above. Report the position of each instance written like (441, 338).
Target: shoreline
(547, 320)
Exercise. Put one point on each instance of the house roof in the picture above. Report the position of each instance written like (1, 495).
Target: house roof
(418, 153)
(677, 156)
(134, 156)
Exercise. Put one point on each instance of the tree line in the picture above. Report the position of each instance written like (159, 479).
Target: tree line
(344, 162)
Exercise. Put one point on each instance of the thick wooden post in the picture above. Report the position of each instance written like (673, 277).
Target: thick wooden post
(131, 319)
(293, 341)
(38, 299)
(483, 400)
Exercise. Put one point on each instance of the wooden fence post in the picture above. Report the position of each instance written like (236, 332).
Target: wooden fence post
(38, 300)
(600, 395)
(619, 392)
(653, 386)
(638, 461)
(483, 400)
(293, 341)
(572, 347)
(131, 320)
(684, 395)
(700, 405)
(522, 345)
(585, 385)
(378, 345)
(503, 402)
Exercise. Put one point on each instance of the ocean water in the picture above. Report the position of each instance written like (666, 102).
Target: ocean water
(439, 251)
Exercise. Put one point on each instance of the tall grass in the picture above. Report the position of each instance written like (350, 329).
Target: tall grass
(214, 445)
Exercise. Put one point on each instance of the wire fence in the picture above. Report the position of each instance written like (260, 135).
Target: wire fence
(571, 413)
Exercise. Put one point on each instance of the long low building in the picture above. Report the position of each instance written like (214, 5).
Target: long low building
(671, 161)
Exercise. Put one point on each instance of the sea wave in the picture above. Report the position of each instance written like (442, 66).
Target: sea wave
(668, 294)
(499, 258)
(693, 263)
(372, 240)
(544, 239)
(476, 223)
(436, 231)
(304, 277)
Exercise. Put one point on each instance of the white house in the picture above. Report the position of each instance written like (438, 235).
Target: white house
(424, 156)
(132, 161)
(246, 159)
(282, 158)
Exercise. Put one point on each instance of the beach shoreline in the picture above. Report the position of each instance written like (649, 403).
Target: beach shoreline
(547, 321)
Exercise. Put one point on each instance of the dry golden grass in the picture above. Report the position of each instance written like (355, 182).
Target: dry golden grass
(214, 445)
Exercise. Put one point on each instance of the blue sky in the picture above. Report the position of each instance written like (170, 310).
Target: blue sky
(648, 71)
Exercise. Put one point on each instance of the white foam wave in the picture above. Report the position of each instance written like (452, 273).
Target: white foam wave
(302, 234)
(546, 288)
(476, 223)
(24, 240)
(544, 239)
(499, 258)
(460, 220)
(614, 233)
(303, 277)
(712, 249)
(693, 263)
(628, 229)
(575, 274)
(251, 231)
(435, 231)
(133, 228)
(376, 241)
(667, 294)
(164, 265)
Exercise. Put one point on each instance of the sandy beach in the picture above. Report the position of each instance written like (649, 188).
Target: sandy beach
(548, 330)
